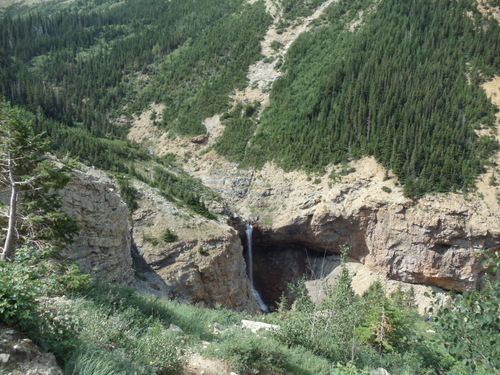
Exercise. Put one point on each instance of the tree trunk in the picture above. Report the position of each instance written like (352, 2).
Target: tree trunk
(382, 332)
(9, 239)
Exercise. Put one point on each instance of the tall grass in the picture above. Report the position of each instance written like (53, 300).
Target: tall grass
(125, 332)
(121, 331)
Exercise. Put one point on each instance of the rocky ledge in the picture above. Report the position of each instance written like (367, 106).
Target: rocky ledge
(431, 241)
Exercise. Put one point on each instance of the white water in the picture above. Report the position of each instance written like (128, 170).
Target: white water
(256, 294)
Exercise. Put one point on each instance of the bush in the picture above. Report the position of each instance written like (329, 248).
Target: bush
(33, 276)
(169, 236)
(469, 325)
(275, 45)
(247, 351)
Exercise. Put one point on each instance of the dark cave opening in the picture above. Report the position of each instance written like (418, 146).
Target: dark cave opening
(276, 264)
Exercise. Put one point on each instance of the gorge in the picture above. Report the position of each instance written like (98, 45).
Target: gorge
(429, 242)
(221, 151)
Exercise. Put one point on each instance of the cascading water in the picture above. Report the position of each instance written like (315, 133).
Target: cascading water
(258, 298)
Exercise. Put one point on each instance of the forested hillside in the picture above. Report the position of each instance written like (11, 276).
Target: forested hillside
(403, 86)
(83, 64)
(397, 80)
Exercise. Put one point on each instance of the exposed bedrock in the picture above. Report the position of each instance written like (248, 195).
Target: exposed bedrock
(430, 241)
(201, 263)
(102, 245)
(401, 242)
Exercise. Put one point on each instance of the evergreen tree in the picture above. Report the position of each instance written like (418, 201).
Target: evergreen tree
(34, 214)
(469, 325)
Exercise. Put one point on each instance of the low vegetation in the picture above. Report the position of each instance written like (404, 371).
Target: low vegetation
(98, 328)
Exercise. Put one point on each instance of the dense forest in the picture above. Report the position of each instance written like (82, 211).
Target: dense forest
(79, 68)
(403, 85)
(76, 67)
(399, 80)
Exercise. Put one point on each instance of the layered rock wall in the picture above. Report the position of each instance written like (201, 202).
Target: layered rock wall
(102, 245)
(430, 241)
(204, 262)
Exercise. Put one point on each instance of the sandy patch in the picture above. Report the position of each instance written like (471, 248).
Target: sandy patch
(197, 364)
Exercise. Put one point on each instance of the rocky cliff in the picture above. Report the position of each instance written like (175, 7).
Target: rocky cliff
(200, 262)
(429, 241)
(297, 215)
(203, 264)
(103, 244)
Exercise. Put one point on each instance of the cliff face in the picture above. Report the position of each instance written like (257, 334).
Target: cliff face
(431, 241)
(103, 243)
(204, 262)
(428, 241)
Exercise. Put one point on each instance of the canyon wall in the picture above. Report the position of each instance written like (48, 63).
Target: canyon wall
(102, 246)
(431, 241)
(202, 264)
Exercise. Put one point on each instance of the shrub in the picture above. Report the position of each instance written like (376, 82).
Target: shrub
(386, 189)
(33, 275)
(275, 45)
(469, 325)
(169, 236)
(24, 283)
(247, 351)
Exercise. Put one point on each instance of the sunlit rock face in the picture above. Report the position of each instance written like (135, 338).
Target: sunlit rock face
(102, 245)
(432, 240)
(202, 264)
(403, 241)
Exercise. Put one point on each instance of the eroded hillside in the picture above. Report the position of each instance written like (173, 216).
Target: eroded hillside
(429, 241)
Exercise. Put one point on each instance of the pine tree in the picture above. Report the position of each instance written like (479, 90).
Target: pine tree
(34, 214)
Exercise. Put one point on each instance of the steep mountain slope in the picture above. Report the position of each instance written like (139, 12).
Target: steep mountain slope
(321, 123)
(274, 87)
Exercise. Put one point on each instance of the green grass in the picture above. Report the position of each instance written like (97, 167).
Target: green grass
(124, 332)
(248, 351)
(112, 329)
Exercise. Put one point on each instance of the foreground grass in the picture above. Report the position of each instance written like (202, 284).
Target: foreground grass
(124, 332)
(116, 330)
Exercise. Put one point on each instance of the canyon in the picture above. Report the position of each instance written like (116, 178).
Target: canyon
(301, 219)
(299, 216)
(300, 222)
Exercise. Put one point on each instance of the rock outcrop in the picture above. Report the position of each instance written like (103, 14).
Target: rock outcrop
(102, 246)
(429, 241)
(20, 356)
(200, 262)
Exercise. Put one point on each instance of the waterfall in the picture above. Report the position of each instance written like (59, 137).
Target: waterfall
(256, 294)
